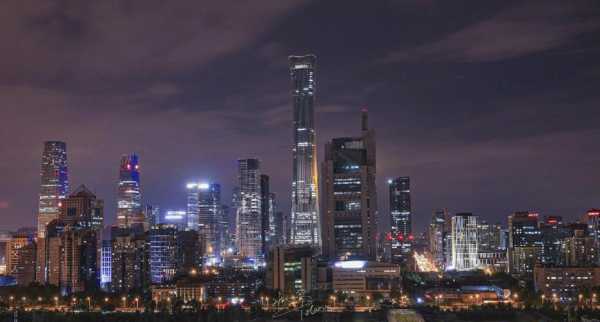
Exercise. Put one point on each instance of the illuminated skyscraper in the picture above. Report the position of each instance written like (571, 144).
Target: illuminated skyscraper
(249, 211)
(400, 214)
(129, 199)
(163, 253)
(525, 242)
(437, 237)
(209, 213)
(349, 197)
(305, 225)
(465, 255)
(55, 183)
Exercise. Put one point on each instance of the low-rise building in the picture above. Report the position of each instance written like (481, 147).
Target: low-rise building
(365, 277)
(564, 284)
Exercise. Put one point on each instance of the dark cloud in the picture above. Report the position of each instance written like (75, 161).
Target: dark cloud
(489, 106)
(526, 28)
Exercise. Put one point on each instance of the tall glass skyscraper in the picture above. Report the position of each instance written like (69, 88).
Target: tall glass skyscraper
(349, 197)
(248, 220)
(55, 183)
(400, 213)
(209, 212)
(305, 221)
(129, 199)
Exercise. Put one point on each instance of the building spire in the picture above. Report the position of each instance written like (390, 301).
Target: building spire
(364, 119)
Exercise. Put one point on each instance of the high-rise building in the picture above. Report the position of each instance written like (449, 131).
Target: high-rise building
(249, 211)
(83, 208)
(401, 218)
(129, 198)
(163, 253)
(349, 197)
(592, 219)
(305, 225)
(580, 249)
(55, 183)
(437, 240)
(189, 251)
(265, 214)
(71, 254)
(193, 205)
(464, 242)
(209, 212)
(106, 265)
(553, 233)
(20, 258)
(78, 260)
(130, 254)
(525, 242)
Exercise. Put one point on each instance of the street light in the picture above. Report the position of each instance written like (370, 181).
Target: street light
(137, 300)
(89, 300)
(124, 299)
(56, 301)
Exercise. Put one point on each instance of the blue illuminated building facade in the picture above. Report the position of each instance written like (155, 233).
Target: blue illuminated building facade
(129, 198)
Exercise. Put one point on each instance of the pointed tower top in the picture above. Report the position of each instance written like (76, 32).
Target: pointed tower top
(364, 118)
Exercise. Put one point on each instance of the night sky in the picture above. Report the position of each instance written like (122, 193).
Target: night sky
(489, 106)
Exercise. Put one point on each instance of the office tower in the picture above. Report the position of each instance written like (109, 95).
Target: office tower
(349, 197)
(209, 212)
(130, 262)
(177, 218)
(83, 208)
(55, 183)
(553, 234)
(464, 242)
(129, 198)
(265, 215)
(249, 210)
(163, 253)
(193, 205)
(400, 215)
(189, 252)
(437, 240)
(78, 260)
(305, 225)
(106, 265)
(580, 249)
(20, 258)
(485, 234)
(592, 219)
(152, 215)
(524, 242)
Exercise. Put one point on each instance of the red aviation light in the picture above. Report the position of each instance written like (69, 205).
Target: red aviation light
(411, 237)
(128, 166)
(388, 236)
(400, 237)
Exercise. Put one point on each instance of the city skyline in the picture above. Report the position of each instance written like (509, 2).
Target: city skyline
(456, 98)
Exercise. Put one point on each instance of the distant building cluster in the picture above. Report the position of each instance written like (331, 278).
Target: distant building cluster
(331, 239)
